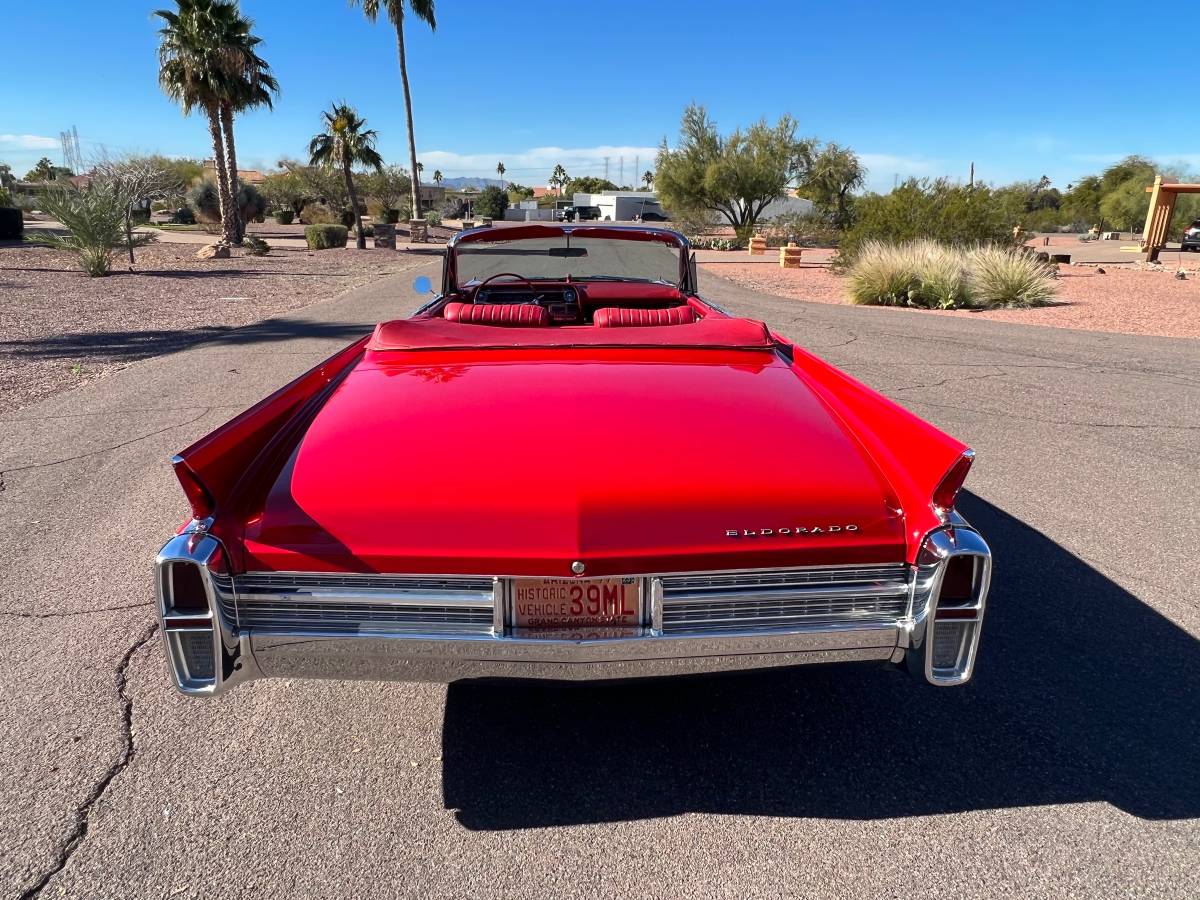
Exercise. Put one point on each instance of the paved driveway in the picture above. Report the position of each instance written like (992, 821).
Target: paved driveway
(1068, 768)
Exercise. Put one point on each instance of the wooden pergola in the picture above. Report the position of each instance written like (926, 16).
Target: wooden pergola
(1158, 216)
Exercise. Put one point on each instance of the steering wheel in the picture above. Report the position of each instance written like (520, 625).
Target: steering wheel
(484, 283)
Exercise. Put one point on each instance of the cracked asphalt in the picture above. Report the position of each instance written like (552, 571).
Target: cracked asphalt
(1069, 766)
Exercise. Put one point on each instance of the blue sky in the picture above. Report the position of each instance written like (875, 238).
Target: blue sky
(916, 89)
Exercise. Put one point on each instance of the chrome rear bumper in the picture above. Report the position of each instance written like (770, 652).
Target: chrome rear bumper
(444, 629)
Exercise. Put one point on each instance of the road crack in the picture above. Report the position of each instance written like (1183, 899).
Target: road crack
(59, 462)
(70, 614)
(83, 811)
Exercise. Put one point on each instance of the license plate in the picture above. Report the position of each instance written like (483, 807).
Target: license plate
(575, 602)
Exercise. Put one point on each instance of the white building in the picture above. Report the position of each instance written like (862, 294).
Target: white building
(621, 206)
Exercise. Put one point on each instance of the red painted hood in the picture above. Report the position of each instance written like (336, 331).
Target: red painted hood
(633, 461)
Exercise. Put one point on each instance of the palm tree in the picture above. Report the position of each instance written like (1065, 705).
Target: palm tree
(500, 172)
(246, 89)
(437, 177)
(345, 143)
(423, 10)
(558, 179)
(648, 179)
(195, 69)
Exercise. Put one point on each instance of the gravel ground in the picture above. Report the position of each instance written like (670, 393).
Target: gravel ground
(1125, 300)
(59, 328)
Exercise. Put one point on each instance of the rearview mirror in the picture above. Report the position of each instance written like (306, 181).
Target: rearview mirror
(567, 251)
(422, 284)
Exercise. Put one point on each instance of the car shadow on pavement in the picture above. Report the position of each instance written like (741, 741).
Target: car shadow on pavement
(1083, 693)
(128, 346)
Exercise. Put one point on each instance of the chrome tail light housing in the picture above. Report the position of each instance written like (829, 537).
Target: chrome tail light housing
(950, 590)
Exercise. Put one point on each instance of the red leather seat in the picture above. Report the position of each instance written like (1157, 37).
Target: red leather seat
(522, 315)
(616, 317)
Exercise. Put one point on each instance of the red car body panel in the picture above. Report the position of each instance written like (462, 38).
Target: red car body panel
(441, 448)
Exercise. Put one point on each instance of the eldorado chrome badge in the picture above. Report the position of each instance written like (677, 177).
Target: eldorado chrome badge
(788, 532)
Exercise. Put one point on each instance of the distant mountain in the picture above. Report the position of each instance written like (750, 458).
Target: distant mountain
(457, 184)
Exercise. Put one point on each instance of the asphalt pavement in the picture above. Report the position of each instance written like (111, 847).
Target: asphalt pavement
(1067, 768)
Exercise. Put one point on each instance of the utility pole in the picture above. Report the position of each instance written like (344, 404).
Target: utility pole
(606, 168)
(971, 180)
(637, 167)
(622, 177)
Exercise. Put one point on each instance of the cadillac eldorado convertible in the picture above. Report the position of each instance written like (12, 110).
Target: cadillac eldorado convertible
(569, 465)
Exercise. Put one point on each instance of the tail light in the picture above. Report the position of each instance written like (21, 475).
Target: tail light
(197, 494)
(945, 494)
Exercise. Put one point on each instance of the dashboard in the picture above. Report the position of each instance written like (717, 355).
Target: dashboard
(561, 303)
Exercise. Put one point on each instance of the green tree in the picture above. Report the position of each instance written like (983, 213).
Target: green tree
(46, 171)
(558, 179)
(344, 144)
(389, 186)
(588, 184)
(648, 179)
(200, 63)
(491, 202)
(735, 176)
(284, 191)
(834, 172)
(423, 10)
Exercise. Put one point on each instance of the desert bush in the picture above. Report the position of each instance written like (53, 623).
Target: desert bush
(454, 208)
(391, 216)
(250, 202)
(936, 276)
(702, 242)
(95, 223)
(347, 218)
(433, 217)
(12, 223)
(284, 216)
(1001, 276)
(935, 209)
(6, 200)
(318, 214)
(255, 246)
(883, 274)
(325, 237)
(183, 216)
(203, 198)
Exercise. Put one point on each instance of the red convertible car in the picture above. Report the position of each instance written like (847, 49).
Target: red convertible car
(569, 465)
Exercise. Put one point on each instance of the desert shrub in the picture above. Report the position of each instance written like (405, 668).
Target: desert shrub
(934, 209)
(284, 216)
(183, 216)
(250, 202)
(95, 223)
(937, 276)
(6, 200)
(203, 198)
(325, 237)
(491, 202)
(1001, 276)
(347, 218)
(391, 216)
(139, 216)
(255, 246)
(454, 208)
(12, 223)
(712, 243)
(433, 217)
(318, 214)
(882, 274)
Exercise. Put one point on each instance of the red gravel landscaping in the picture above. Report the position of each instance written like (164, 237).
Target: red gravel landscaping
(57, 326)
(1125, 299)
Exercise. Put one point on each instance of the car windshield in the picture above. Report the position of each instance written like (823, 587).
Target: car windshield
(578, 256)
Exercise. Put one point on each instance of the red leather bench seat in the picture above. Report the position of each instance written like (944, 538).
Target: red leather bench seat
(616, 317)
(522, 315)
